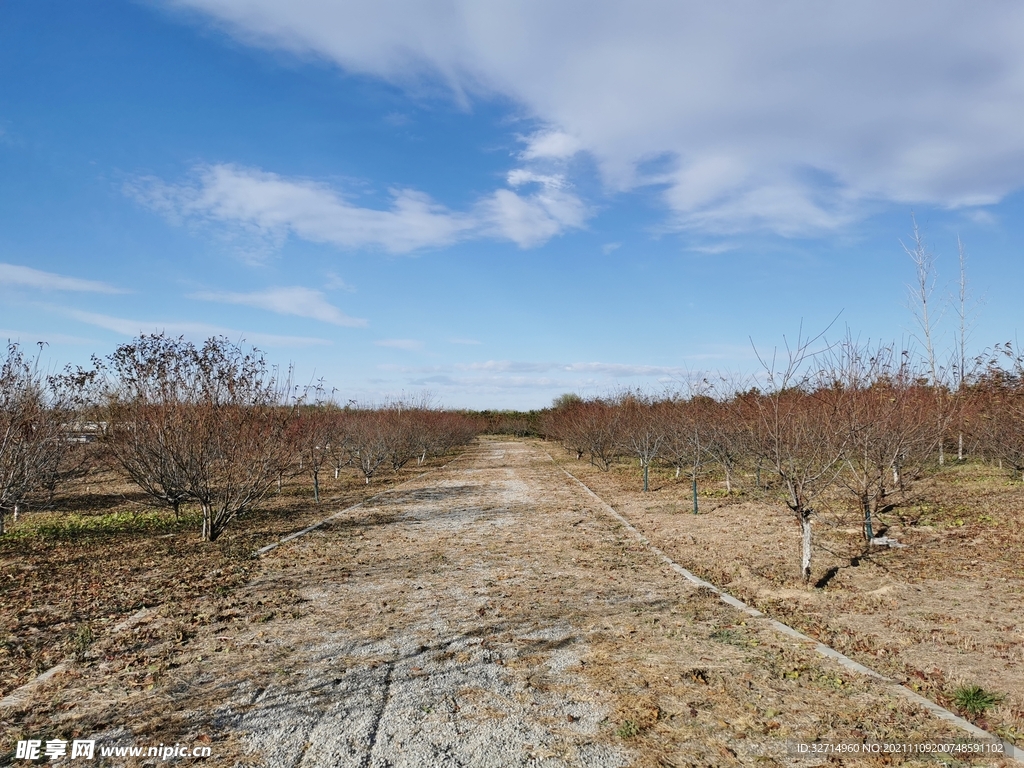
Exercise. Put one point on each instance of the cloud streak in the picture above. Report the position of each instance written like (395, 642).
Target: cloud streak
(27, 277)
(409, 345)
(298, 301)
(795, 118)
(131, 328)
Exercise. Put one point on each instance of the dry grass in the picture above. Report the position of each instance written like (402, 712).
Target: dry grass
(575, 615)
(72, 573)
(942, 613)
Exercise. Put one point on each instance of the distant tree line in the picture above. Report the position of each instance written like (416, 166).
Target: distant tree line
(854, 420)
(212, 425)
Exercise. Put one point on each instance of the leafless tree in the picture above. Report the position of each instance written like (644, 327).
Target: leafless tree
(883, 428)
(1000, 393)
(797, 433)
(641, 430)
(314, 433)
(688, 432)
(204, 424)
(369, 440)
(36, 440)
(925, 315)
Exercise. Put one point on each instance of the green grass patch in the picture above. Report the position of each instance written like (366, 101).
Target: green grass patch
(73, 526)
(975, 700)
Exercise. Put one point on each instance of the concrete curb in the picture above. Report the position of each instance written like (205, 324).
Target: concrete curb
(1009, 751)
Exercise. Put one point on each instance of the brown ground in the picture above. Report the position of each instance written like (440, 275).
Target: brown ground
(483, 614)
(943, 612)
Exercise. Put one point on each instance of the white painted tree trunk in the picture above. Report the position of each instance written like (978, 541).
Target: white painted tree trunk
(805, 560)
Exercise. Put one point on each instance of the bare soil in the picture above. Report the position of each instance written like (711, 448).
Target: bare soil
(942, 612)
(483, 614)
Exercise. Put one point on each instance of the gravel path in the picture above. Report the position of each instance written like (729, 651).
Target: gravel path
(412, 649)
(486, 614)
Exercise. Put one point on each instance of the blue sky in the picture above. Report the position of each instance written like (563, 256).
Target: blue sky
(499, 202)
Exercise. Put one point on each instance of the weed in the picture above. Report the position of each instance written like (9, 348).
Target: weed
(81, 641)
(975, 700)
(628, 729)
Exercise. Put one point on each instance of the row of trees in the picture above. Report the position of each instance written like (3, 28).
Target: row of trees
(849, 420)
(213, 425)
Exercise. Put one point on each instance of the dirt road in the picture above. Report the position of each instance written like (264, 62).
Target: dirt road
(485, 614)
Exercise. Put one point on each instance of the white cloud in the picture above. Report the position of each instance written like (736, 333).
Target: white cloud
(410, 345)
(531, 219)
(273, 206)
(551, 145)
(132, 328)
(302, 302)
(26, 277)
(792, 117)
(520, 176)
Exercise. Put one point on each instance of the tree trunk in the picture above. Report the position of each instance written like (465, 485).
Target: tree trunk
(316, 487)
(17, 511)
(645, 478)
(869, 532)
(337, 470)
(207, 522)
(805, 529)
(695, 509)
(960, 447)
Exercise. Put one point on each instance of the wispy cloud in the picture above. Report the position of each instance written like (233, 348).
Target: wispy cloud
(272, 206)
(617, 370)
(27, 277)
(471, 342)
(614, 370)
(298, 301)
(131, 328)
(44, 337)
(796, 118)
(713, 249)
(410, 345)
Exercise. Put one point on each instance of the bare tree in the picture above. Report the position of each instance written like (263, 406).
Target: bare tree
(36, 414)
(1000, 425)
(687, 440)
(797, 434)
(205, 424)
(369, 441)
(641, 432)
(314, 431)
(883, 428)
(924, 314)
